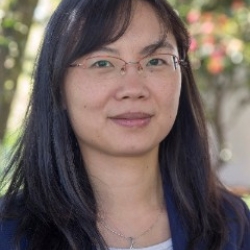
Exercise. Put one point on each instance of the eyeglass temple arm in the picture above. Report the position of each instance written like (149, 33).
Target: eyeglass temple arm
(183, 62)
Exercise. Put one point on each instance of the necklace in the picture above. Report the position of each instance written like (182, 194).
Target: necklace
(131, 239)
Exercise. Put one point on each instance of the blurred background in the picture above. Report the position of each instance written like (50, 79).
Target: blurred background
(220, 55)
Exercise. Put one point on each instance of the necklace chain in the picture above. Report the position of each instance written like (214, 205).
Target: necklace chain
(131, 239)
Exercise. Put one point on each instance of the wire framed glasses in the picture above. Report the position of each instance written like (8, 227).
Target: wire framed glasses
(107, 67)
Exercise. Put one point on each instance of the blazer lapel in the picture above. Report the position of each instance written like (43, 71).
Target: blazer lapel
(177, 227)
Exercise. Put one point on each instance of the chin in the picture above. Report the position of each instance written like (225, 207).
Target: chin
(134, 151)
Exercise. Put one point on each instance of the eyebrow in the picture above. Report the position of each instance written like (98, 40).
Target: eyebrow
(149, 49)
(161, 44)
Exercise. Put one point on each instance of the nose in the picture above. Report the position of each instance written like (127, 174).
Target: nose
(133, 85)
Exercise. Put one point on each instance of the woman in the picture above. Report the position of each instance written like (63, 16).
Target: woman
(114, 153)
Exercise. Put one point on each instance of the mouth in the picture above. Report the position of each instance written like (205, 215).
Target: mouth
(132, 119)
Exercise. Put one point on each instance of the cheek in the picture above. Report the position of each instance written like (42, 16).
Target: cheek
(174, 100)
(169, 111)
(169, 93)
(168, 96)
(85, 103)
(81, 94)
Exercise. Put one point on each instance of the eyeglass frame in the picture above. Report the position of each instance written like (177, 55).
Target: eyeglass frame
(176, 60)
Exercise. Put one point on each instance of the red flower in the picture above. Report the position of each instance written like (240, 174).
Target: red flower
(237, 4)
(193, 16)
(193, 45)
(216, 63)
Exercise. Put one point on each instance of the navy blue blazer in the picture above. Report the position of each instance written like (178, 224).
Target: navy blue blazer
(178, 231)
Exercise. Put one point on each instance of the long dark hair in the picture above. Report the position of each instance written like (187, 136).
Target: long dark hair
(50, 192)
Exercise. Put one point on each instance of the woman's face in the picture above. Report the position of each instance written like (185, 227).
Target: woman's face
(125, 114)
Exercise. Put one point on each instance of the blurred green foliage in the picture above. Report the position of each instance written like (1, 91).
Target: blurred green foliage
(247, 200)
(220, 55)
(16, 18)
(220, 40)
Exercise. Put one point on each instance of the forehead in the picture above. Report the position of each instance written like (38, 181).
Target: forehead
(145, 28)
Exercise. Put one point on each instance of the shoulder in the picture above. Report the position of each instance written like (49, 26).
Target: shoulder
(8, 230)
(7, 233)
(246, 240)
(238, 219)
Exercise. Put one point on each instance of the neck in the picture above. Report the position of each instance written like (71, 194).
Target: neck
(123, 184)
(129, 197)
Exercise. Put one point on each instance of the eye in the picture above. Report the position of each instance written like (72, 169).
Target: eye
(160, 60)
(155, 62)
(102, 64)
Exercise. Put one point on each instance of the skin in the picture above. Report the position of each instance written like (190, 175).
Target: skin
(121, 155)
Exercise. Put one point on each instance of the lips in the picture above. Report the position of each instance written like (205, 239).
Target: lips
(132, 119)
